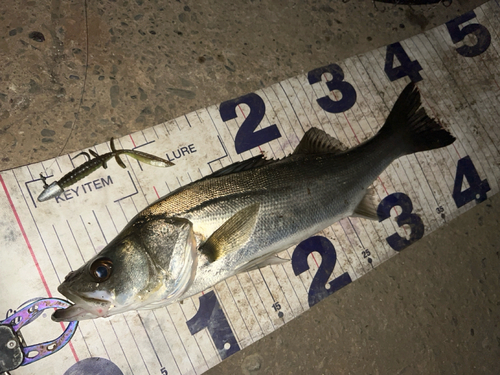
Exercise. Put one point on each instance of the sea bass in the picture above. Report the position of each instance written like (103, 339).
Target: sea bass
(240, 217)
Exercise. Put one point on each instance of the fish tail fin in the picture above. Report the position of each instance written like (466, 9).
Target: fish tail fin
(413, 129)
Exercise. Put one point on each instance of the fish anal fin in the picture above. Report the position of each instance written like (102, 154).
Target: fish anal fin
(232, 234)
(317, 141)
(367, 208)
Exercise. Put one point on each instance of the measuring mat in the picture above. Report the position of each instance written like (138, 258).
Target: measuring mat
(456, 67)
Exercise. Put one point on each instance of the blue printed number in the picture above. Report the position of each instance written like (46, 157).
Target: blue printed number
(335, 83)
(477, 188)
(395, 241)
(318, 289)
(483, 37)
(246, 137)
(406, 68)
(211, 316)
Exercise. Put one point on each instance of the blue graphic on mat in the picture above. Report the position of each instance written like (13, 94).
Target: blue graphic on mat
(94, 366)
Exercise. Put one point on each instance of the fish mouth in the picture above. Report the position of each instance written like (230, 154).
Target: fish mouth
(83, 308)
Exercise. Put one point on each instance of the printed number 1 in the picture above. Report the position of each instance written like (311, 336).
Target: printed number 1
(211, 316)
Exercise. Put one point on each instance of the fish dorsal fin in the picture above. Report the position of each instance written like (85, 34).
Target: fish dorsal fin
(263, 261)
(240, 166)
(232, 234)
(317, 141)
(367, 208)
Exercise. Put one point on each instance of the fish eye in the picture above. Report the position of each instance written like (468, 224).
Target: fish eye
(101, 269)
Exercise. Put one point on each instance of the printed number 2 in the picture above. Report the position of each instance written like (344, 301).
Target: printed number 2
(246, 137)
(318, 289)
(395, 241)
(336, 83)
(483, 37)
(407, 68)
(477, 188)
(211, 316)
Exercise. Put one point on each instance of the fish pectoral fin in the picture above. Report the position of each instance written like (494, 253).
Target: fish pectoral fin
(367, 208)
(232, 234)
(317, 141)
(264, 261)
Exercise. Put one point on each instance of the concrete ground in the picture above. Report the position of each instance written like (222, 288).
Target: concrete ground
(83, 71)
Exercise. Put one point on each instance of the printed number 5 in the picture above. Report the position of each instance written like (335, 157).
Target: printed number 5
(395, 241)
(483, 37)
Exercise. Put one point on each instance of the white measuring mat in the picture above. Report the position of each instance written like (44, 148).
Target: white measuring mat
(457, 69)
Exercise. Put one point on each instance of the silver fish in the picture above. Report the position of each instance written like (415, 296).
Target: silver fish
(238, 218)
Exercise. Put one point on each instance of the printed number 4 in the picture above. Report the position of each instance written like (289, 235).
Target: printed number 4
(407, 68)
(323, 246)
(477, 188)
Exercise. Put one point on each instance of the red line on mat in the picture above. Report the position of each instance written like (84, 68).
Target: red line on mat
(33, 256)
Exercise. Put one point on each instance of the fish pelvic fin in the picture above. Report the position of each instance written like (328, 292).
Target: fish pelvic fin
(414, 130)
(232, 234)
(367, 208)
(317, 141)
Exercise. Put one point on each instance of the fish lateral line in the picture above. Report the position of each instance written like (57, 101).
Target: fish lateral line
(91, 165)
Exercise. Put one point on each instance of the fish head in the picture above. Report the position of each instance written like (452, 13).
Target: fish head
(152, 262)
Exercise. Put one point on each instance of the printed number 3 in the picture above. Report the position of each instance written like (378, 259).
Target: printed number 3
(336, 83)
(395, 241)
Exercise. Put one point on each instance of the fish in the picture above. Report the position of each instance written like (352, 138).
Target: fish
(238, 218)
(91, 165)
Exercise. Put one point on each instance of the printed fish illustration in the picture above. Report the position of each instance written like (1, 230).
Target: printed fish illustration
(240, 217)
